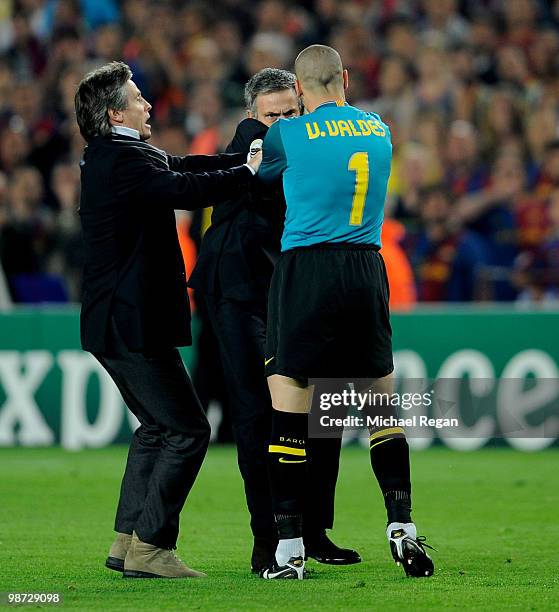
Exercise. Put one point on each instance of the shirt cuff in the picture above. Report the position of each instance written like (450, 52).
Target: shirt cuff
(252, 170)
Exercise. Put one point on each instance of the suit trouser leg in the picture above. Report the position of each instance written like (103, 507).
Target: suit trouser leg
(143, 453)
(168, 448)
(323, 462)
(241, 332)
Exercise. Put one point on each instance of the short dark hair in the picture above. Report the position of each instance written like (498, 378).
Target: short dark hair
(99, 91)
(266, 81)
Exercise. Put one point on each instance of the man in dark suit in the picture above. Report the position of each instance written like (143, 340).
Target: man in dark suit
(233, 271)
(135, 309)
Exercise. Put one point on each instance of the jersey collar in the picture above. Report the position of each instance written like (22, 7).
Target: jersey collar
(332, 103)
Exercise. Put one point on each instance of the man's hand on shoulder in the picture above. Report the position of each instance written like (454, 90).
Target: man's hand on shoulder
(255, 146)
(254, 157)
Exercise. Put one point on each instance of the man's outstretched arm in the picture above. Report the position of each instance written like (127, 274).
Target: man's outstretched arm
(205, 163)
(137, 175)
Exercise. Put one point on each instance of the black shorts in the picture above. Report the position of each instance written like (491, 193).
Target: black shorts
(328, 314)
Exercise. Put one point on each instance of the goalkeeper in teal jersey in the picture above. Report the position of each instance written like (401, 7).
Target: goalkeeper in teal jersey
(335, 164)
(328, 304)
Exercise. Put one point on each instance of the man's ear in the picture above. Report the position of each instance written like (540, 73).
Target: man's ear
(298, 88)
(250, 114)
(115, 116)
(345, 76)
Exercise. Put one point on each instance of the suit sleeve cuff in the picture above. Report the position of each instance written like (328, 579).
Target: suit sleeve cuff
(252, 170)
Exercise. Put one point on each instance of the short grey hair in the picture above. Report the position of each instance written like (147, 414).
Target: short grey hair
(266, 81)
(99, 91)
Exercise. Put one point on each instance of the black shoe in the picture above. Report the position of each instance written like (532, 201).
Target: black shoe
(322, 549)
(263, 554)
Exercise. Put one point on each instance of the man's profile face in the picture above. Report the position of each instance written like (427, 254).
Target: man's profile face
(136, 115)
(275, 105)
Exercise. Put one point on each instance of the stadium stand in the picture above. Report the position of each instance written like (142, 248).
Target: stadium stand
(469, 88)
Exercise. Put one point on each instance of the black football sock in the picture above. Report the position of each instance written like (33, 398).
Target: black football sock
(390, 461)
(287, 466)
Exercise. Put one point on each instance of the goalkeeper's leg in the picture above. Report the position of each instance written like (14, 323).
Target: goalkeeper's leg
(391, 464)
(287, 470)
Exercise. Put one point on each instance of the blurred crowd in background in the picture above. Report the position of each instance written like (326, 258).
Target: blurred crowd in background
(470, 90)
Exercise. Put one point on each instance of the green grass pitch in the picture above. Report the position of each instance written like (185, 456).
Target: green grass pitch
(492, 515)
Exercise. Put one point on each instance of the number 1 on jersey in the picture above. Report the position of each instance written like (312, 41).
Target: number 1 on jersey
(359, 163)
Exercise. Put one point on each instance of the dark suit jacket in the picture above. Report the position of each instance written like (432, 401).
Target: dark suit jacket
(133, 268)
(239, 250)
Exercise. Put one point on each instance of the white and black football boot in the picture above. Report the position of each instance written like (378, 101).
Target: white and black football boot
(294, 569)
(408, 550)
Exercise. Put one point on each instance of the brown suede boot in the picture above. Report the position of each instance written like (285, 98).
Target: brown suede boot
(145, 560)
(117, 552)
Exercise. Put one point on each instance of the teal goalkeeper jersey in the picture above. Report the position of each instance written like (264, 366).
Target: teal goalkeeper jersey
(335, 164)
